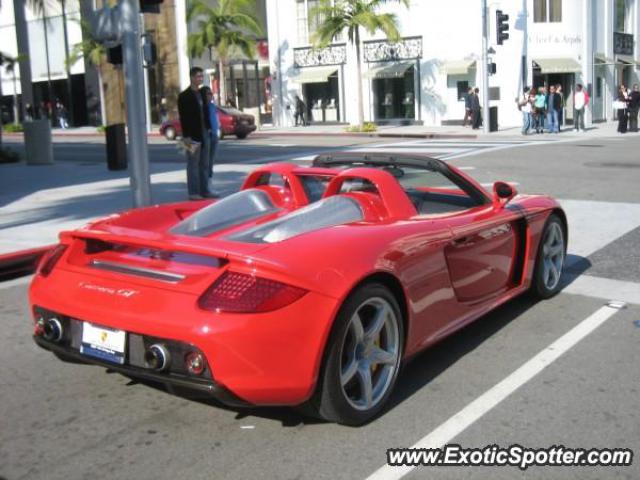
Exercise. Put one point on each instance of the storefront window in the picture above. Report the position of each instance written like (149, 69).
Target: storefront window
(547, 11)
(322, 100)
(394, 98)
(622, 14)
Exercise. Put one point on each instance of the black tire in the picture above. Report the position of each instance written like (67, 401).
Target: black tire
(170, 133)
(329, 401)
(241, 136)
(540, 287)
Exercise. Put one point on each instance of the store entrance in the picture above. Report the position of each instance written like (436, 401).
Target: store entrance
(394, 98)
(567, 81)
(322, 100)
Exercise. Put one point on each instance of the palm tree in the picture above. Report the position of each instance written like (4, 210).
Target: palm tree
(10, 67)
(335, 16)
(228, 26)
(94, 53)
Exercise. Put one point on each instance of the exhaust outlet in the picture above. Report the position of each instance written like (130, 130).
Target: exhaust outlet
(52, 330)
(157, 357)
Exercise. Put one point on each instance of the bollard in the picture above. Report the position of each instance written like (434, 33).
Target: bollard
(37, 142)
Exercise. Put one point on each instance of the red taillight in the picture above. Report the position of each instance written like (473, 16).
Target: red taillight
(50, 259)
(242, 293)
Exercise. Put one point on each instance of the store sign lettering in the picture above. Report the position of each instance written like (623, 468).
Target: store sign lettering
(551, 39)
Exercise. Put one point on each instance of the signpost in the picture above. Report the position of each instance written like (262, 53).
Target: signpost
(121, 25)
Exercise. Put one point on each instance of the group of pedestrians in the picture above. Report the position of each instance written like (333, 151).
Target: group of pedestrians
(544, 109)
(472, 110)
(628, 104)
(199, 122)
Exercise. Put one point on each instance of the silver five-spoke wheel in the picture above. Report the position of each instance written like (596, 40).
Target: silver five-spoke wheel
(370, 353)
(552, 255)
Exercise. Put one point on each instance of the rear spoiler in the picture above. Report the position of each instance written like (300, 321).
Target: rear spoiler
(216, 248)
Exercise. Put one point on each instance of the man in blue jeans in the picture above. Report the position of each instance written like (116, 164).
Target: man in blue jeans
(554, 104)
(194, 119)
(215, 126)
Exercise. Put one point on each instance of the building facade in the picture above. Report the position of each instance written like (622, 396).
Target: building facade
(422, 78)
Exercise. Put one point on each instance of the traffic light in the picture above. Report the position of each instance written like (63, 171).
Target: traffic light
(492, 68)
(150, 6)
(114, 55)
(502, 27)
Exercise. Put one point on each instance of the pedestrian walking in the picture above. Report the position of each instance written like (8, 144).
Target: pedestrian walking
(467, 107)
(634, 106)
(553, 104)
(622, 102)
(162, 110)
(580, 102)
(562, 105)
(214, 134)
(300, 115)
(475, 109)
(194, 120)
(525, 106)
(61, 113)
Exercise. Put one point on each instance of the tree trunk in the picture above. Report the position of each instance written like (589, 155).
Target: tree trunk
(359, 89)
(16, 111)
(222, 87)
(22, 37)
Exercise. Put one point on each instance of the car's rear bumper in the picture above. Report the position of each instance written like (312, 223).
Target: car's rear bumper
(270, 358)
(205, 387)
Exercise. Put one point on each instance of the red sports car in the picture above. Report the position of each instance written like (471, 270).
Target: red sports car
(232, 122)
(308, 287)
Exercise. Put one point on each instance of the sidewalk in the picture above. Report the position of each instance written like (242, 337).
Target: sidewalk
(386, 131)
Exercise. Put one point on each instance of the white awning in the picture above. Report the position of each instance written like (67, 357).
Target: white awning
(625, 59)
(315, 74)
(388, 70)
(558, 65)
(600, 58)
(459, 67)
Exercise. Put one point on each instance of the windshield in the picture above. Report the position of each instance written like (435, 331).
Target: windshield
(232, 210)
(332, 211)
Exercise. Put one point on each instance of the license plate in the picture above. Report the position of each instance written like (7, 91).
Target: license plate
(103, 343)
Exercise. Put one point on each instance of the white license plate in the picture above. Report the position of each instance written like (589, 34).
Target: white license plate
(103, 343)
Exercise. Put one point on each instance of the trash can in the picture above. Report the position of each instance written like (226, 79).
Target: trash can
(493, 119)
(116, 147)
(37, 142)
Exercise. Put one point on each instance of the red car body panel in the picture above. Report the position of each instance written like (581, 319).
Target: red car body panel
(450, 269)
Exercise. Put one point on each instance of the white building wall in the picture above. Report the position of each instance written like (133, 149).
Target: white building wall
(55, 36)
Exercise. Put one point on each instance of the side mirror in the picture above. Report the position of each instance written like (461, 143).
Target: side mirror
(502, 193)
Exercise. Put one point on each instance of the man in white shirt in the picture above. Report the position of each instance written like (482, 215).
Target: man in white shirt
(580, 101)
(524, 105)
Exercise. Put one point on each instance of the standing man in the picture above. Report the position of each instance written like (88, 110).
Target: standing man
(539, 109)
(634, 106)
(554, 104)
(194, 119)
(561, 110)
(215, 126)
(300, 115)
(475, 109)
(580, 102)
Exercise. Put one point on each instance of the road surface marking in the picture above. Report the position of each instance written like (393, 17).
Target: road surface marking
(462, 420)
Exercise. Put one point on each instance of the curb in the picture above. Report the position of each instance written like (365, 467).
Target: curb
(20, 263)
(367, 135)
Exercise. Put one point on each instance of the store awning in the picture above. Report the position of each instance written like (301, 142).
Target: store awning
(315, 74)
(388, 70)
(626, 59)
(558, 65)
(459, 67)
(600, 58)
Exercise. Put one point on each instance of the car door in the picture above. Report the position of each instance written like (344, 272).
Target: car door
(483, 253)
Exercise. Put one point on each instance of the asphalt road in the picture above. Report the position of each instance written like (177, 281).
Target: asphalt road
(73, 421)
